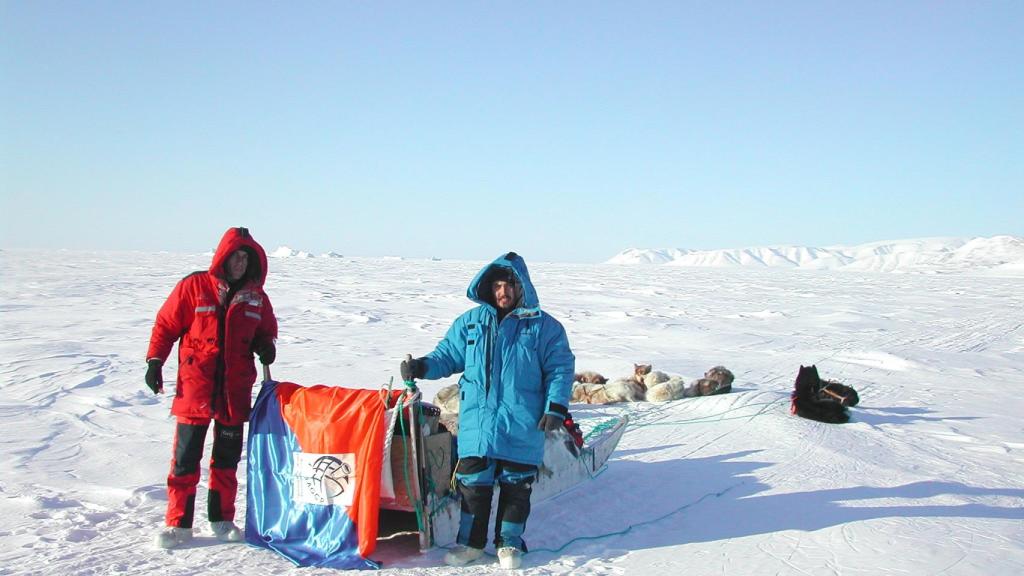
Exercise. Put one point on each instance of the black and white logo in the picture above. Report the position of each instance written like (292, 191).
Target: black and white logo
(324, 478)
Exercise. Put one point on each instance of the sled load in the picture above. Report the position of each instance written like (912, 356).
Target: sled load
(326, 464)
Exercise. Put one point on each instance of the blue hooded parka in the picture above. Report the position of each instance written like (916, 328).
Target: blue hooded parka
(513, 371)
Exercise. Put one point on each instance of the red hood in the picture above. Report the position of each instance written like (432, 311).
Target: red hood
(234, 239)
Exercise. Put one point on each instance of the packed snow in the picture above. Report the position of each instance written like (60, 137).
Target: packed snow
(916, 255)
(927, 478)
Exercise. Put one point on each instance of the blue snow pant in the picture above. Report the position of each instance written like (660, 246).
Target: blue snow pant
(476, 478)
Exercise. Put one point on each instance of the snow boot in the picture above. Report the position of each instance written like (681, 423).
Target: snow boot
(462, 555)
(172, 537)
(226, 531)
(510, 557)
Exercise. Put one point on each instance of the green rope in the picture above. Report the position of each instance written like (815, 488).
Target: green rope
(442, 503)
(719, 494)
(639, 423)
(712, 417)
(439, 504)
(601, 427)
(643, 420)
(405, 466)
(629, 528)
(644, 417)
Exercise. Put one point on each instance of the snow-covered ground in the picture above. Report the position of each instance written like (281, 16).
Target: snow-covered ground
(928, 478)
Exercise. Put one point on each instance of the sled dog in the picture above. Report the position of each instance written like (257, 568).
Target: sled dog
(589, 377)
(808, 400)
(447, 399)
(672, 389)
(717, 380)
(655, 377)
(621, 390)
(627, 389)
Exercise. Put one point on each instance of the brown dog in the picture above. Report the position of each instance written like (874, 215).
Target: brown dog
(589, 377)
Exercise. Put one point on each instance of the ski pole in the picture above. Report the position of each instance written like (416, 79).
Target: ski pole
(266, 373)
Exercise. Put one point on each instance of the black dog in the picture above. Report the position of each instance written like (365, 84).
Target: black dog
(822, 401)
(842, 393)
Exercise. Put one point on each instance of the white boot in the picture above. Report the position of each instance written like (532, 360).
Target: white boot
(462, 555)
(226, 531)
(510, 558)
(172, 537)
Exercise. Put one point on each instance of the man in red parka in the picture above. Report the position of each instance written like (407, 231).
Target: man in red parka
(219, 317)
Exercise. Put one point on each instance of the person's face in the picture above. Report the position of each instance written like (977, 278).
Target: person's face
(504, 294)
(238, 262)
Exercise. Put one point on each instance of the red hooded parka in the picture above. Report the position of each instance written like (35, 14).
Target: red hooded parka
(217, 326)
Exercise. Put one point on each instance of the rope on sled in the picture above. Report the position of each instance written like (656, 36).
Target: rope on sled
(414, 395)
(385, 396)
(601, 427)
(399, 408)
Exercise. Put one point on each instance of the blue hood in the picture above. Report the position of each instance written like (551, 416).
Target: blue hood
(479, 290)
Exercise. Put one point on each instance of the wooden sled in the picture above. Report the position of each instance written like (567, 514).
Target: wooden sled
(422, 461)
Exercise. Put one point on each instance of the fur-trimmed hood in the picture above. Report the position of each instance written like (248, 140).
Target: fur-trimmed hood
(479, 290)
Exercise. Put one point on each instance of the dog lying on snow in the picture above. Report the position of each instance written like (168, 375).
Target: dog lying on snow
(592, 388)
(648, 384)
(717, 380)
(589, 377)
(821, 400)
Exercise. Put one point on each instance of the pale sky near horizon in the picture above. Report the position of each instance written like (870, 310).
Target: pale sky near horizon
(566, 131)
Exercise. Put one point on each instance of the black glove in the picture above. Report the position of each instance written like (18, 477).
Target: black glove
(412, 368)
(155, 375)
(267, 352)
(549, 423)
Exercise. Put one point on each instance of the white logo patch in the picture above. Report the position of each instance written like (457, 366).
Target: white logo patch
(327, 479)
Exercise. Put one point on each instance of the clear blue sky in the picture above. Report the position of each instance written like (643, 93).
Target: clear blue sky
(566, 131)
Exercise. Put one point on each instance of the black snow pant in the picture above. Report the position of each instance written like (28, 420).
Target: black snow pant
(183, 479)
(476, 477)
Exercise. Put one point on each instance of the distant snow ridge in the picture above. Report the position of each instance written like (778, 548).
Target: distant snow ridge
(638, 256)
(286, 252)
(921, 254)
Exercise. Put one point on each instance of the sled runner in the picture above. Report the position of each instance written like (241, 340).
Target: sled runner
(331, 470)
(565, 466)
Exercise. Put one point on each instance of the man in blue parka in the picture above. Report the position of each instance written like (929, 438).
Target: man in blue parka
(517, 371)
